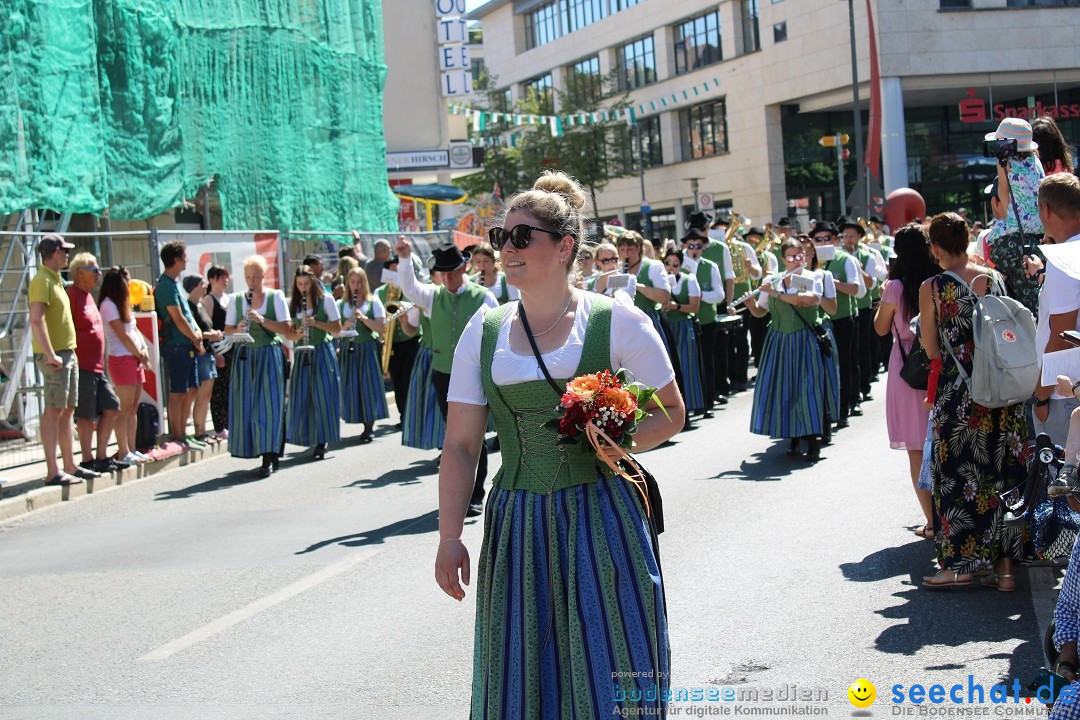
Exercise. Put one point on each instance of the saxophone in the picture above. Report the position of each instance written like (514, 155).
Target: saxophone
(393, 305)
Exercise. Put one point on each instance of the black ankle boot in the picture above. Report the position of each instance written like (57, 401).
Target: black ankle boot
(813, 451)
(267, 466)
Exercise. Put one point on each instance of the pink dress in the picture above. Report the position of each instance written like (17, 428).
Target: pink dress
(904, 414)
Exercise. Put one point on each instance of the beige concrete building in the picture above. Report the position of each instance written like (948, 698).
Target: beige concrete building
(785, 80)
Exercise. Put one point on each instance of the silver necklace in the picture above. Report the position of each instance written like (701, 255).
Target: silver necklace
(558, 319)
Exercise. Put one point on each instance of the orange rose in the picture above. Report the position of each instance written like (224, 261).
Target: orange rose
(619, 400)
(583, 389)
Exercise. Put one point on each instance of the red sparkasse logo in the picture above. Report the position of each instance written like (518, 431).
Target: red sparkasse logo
(973, 110)
(1008, 336)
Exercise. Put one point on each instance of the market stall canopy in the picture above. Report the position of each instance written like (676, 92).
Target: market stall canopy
(428, 195)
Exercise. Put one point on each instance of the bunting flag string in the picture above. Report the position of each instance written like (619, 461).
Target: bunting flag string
(557, 124)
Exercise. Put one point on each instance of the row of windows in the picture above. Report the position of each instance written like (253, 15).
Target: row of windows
(559, 17)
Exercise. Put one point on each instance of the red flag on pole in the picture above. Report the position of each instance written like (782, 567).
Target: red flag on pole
(873, 135)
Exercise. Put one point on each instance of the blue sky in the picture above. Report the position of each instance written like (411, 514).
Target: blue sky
(471, 5)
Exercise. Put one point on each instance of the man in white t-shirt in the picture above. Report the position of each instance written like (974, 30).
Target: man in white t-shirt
(1059, 299)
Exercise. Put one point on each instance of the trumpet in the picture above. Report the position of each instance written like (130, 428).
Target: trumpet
(393, 311)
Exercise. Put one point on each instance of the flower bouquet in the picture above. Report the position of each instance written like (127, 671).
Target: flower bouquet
(606, 408)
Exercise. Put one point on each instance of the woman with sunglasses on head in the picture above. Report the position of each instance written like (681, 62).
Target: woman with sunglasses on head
(583, 624)
(792, 393)
(362, 390)
(129, 357)
(681, 309)
(257, 387)
(314, 416)
(489, 275)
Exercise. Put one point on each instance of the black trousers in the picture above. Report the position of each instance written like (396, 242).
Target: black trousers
(441, 381)
(758, 328)
(708, 364)
(401, 365)
(847, 350)
(739, 351)
(720, 354)
(867, 350)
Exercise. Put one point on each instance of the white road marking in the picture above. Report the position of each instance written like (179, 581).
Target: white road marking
(289, 591)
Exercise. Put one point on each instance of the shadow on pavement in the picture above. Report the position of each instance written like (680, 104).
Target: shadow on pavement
(952, 617)
(400, 476)
(772, 465)
(426, 523)
(231, 479)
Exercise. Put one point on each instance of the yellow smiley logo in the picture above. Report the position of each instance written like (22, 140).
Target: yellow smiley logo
(862, 693)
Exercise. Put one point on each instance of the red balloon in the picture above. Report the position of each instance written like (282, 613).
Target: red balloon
(902, 206)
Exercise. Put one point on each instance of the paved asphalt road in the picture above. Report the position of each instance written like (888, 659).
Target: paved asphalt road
(211, 594)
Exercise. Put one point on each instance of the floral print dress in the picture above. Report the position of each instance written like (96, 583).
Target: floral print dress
(978, 452)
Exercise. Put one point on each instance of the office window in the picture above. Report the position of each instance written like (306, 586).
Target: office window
(637, 64)
(583, 81)
(704, 130)
(751, 36)
(651, 149)
(580, 13)
(542, 26)
(1042, 3)
(502, 100)
(541, 88)
(779, 32)
(950, 4)
(697, 42)
(477, 69)
(617, 5)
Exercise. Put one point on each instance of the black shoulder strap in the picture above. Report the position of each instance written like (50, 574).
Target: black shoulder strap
(536, 350)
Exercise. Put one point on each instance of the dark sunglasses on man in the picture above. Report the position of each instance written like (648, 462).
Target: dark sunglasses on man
(694, 246)
(819, 239)
(519, 236)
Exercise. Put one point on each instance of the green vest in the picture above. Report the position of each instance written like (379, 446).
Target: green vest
(706, 311)
(450, 313)
(683, 298)
(863, 255)
(845, 304)
(399, 334)
(425, 331)
(521, 411)
(715, 252)
(784, 317)
(315, 335)
(647, 305)
(363, 332)
(262, 336)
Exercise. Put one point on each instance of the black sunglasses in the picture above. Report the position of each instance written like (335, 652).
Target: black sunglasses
(694, 246)
(519, 236)
(818, 239)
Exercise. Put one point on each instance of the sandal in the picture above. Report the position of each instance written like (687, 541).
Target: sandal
(62, 478)
(936, 582)
(1003, 583)
(925, 532)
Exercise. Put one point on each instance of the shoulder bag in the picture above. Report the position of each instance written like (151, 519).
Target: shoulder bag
(915, 368)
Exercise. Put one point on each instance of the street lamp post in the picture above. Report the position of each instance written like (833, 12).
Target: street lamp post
(858, 201)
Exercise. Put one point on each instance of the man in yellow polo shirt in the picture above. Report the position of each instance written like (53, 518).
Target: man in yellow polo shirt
(54, 352)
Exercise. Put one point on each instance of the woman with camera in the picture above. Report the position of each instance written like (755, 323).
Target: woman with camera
(905, 416)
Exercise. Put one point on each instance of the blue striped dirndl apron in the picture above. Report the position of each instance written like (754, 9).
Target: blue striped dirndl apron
(423, 425)
(363, 396)
(256, 401)
(314, 414)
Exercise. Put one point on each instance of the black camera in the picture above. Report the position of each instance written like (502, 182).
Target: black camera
(1000, 149)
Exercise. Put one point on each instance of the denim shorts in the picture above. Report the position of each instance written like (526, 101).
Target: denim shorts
(180, 365)
(205, 367)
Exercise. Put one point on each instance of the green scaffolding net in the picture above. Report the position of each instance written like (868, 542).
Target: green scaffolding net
(133, 105)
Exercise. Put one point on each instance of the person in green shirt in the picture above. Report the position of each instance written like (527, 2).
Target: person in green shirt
(53, 333)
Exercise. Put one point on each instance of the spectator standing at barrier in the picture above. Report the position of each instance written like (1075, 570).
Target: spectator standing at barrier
(128, 357)
(54, 354)
(374, 267)
(196, 287)
(450, 305)
(216, 303)
(1059, 302)
(98, 404)
(315, 265)
(180, 342)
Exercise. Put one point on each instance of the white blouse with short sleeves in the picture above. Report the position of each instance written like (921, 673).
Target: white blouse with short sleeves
(635, 345)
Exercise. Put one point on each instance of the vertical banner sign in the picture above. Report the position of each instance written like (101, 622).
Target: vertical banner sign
(455, 65)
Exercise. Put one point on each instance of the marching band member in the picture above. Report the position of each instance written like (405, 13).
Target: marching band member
(424, 425)
(362, 391)
(450, 305)
(257, 385)
(748, 274)
(717, 251)
(847, 276)
(826, 308)
(712, 293)
(874, 273)
(405, 346)
(585, 269)
(490, 276)
(791, 394)
(314, 411)
(681, 308)
(607, 260)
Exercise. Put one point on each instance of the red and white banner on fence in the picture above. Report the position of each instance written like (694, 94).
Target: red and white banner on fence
(229, 249)
(147, 324)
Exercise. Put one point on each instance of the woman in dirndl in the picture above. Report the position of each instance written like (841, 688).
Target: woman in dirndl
(257, 387)
(363, 396)
(681, 308)
(314, 416)
(793, 395)
(490, 276)
(423, 426)
(569, 589)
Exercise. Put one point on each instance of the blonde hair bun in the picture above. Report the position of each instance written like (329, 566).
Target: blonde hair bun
(558, 182)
